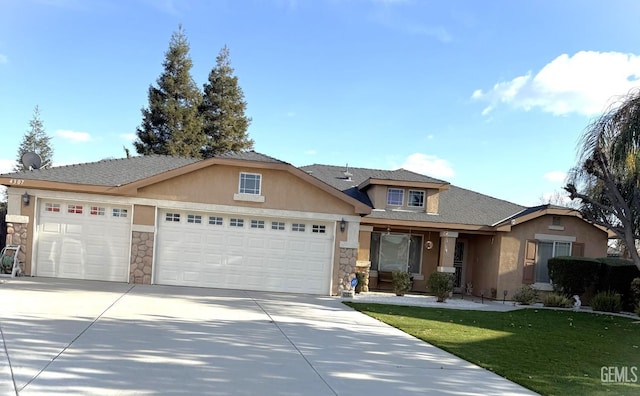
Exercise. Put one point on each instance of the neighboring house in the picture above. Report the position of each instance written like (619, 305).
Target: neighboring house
(249, 221)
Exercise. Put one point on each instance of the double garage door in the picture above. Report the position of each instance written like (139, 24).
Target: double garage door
(243, 252)
(81, 240)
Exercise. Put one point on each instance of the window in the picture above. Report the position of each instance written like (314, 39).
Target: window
(391, 252)
(236, 223)
(172, 217)
(257, 223)
(556, 220)
(318, 229)
(395, 197)
(416, 199)
(214, 220)
(547, 250)
(77, 209)
(250, 183)
(97, 211)
(194, 219)
(297, 227)
(117, 212)
(277, 225)
(52, 207)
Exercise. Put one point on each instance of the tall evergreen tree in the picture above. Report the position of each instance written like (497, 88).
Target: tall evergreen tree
(224, 122)
(37, 141)
(171, 124)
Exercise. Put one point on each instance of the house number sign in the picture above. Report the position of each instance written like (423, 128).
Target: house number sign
(16, 181)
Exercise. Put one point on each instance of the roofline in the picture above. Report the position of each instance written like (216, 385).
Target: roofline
(61, 186)
(429, 224)
(509, 217)
(506, 224)
(402, 183)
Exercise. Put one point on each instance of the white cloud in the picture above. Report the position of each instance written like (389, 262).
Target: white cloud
(429, 165)
(555, 176)
(6, 165)
(585, 83)
(129, 137)
(3, 59)
(73, 136)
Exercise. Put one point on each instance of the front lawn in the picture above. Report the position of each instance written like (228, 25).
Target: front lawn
(553, 352)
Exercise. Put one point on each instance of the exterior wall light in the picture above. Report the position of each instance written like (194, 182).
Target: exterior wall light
(26, 198)
(343, 225)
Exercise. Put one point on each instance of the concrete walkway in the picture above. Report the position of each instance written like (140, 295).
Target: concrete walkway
(79, 337)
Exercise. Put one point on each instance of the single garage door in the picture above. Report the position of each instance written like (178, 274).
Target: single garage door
(83, 240)
(243, 252)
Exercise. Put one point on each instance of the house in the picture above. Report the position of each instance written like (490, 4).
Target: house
(250, 221)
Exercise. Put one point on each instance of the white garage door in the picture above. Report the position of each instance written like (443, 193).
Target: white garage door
(243, 252)
(83, 241)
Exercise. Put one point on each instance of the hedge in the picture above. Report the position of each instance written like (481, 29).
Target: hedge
(616, 275)
(573, 275)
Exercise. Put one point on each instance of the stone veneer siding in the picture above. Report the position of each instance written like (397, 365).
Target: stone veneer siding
(17, 235)
(347, 268)
(141, 257)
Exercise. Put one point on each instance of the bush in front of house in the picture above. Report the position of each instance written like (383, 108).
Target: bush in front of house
(614, 276)
(401, 282)
(441, 284)
(557, 300)
(608, 301)
(361, 277)
(635, 291)
(526, 295)
(573, 275)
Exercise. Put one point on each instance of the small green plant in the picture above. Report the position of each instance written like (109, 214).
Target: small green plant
(608, 301)
(401, 282)
(441, 284)
(557, 300)
(526, 295)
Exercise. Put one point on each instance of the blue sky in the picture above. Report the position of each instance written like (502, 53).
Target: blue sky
(489, 95)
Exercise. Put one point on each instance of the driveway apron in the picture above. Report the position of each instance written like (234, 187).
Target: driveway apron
(80, 337)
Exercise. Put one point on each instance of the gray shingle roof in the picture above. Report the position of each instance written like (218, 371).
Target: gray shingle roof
(456, 205)
(115, 172)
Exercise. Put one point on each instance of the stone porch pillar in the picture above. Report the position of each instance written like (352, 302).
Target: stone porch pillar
(447, 250)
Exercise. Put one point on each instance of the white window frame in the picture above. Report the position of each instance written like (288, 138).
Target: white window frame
(318, 229)
(236, 222)
(391, 190)
(215, 220)
(194, 218)
(298, 227)
(555, 239)
(258, 224)
(278, 225)
(410, 201)
(243, 179)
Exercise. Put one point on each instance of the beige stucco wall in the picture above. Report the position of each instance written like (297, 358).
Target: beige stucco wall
(483, 257)
(217, 185)
(513, 245)
(144, 215)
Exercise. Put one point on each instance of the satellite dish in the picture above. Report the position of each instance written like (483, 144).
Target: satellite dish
(31, 160)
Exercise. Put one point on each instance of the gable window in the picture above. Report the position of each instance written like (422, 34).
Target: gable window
(194, 219)
(250, 183)
(77, 209)
(236, 223)
(172, 217)
(416, 199)
(215, 220)
(547, 250)
(395, 197)
(396, 252)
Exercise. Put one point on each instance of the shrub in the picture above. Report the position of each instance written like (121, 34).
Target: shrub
(638, 310)
(635, 291)
(557, 300)
(441, 284)
(608, 301)
(614, 275)
(526, 295)
(573, 275)
(401, 282)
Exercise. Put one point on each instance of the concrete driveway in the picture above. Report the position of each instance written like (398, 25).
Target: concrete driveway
(80, 337)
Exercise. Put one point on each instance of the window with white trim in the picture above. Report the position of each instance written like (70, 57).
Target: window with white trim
(215, 220)
(318, 229)
(257, 224)
(297, 227)
(236, 223)
(172, 217)
(97, 211)
(194, 219)
(117, 212)
(547, 250)
(52, 207)
(395, 196)
(277, 225)
(77, 209)
(250, 183)
(415, 199)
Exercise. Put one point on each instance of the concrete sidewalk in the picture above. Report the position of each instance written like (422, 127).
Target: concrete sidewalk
(79, 337)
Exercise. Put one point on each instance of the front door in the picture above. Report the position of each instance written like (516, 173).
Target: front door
(458, 264)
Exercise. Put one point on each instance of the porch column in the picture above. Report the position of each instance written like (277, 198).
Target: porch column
(447, 250)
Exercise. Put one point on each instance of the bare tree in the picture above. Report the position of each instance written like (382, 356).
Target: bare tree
(607, 177)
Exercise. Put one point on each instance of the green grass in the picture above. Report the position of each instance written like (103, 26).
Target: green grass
(553, 352)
